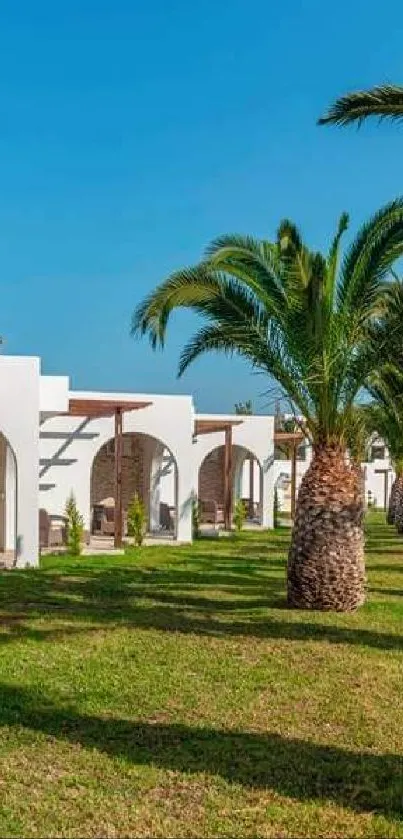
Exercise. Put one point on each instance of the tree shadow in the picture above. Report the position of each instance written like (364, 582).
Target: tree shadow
(169, 599)
(295, 768)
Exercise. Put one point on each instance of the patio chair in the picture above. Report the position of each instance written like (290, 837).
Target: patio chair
(166, 521)
(52, 530)
(210, 512)
(107, 522)
(44, 528)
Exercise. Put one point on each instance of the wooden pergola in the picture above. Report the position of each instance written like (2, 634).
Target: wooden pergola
(214, 426)
(99, 408)
(291, 440)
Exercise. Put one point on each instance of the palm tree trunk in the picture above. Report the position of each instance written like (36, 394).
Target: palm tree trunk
(398, 519)
(326, 567)
(393, 500)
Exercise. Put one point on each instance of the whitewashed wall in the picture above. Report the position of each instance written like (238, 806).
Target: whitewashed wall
(256, 435)
(19, 422)
(68, 446)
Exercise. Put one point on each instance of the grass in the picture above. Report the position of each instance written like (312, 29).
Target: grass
(170, 693)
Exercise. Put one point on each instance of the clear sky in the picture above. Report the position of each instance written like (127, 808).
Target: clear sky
(133, 132)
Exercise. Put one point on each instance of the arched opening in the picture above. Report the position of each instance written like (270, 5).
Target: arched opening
(246, 484)
(8, 503)
(148, 469)
(282, 495)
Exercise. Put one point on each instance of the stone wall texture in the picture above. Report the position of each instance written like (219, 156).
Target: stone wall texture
(135, 471)
(211, 477)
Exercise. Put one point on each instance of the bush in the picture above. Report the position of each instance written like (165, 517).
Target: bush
(195, 519)
(74, 527)
(137, 520)
(239, 515)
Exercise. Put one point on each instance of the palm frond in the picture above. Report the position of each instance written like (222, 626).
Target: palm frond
(321, 329)
(253, 262)
(191, 287)
(382, 101)
(369, 259)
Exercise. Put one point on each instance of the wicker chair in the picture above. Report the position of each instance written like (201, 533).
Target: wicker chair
(210, 512)
(52, 530)
(108, 522)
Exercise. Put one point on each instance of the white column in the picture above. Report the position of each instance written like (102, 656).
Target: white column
(27, 508)
(186, 492)
(11, 500)
(267, 494)
(155, 485)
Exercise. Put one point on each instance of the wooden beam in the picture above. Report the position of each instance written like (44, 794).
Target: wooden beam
(287, 438)
(213, 426)
(96, 408)
(293, 478)
(118, 478)
(228, 478)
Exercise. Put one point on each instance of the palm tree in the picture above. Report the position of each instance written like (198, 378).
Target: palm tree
(385, 417)
(244, 408)
(383, 101)
(304, 319)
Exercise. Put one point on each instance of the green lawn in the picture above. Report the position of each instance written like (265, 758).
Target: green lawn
(170, 693)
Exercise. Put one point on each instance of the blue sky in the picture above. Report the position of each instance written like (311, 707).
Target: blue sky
(133, 132)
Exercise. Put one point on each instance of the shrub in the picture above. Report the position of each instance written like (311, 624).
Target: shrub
(137, 520)
(74, 527)
(195, 519)
(239, 515)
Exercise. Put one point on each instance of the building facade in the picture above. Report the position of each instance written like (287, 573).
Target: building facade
(55, 441)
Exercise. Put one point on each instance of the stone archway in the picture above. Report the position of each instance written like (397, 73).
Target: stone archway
(246, 483)
(148, 469)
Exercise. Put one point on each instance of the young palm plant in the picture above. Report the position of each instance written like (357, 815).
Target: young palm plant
(304, 319)
(383, 102)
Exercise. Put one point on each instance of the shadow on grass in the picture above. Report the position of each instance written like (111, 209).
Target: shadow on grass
(295, 768)
(220, 602)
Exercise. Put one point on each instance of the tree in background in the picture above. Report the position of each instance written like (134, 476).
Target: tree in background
(244, 408)
(306, 319)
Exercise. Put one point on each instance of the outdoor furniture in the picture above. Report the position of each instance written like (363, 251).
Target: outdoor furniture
(96, 519)
(52, 530)
(210, 512)
(108, 522)
(44, 528)
(103, 521)
(166, 521)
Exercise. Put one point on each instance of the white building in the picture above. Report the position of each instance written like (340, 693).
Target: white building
(105, 447)
(378, 475)
(169, 455)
